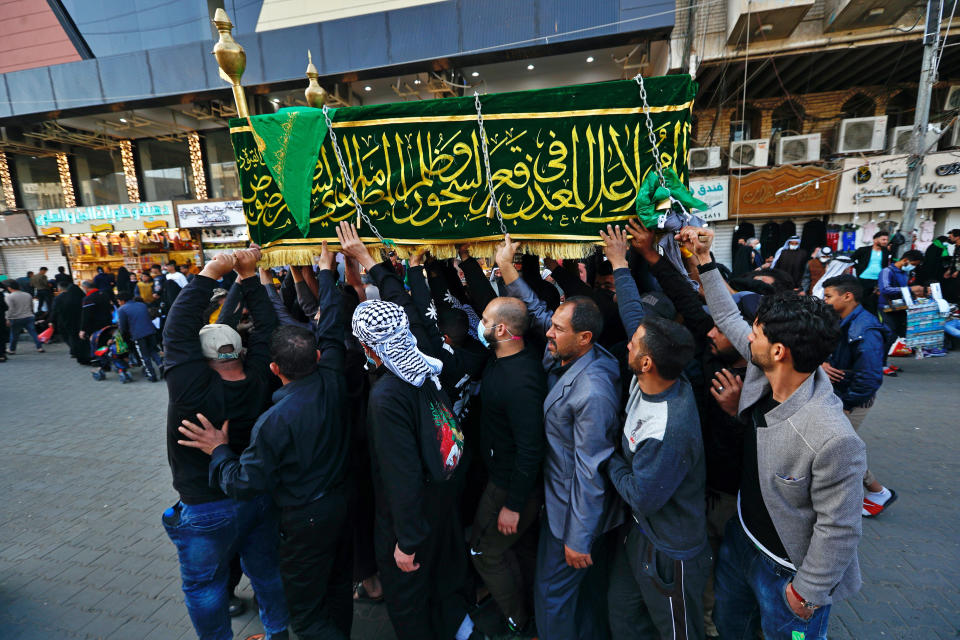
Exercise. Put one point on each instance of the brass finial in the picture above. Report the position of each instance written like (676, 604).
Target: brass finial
(315, 94)
(232, 60)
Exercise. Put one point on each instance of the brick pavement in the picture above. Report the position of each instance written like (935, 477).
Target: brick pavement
(83, 554)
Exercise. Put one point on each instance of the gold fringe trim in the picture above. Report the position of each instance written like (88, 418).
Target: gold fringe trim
(282, 256)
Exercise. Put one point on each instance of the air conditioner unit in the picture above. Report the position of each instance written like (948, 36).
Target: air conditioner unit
(862, 134)
(901, 138)
(798, 149)
(953, 99)
(749, 154)
(703, 158)
(955, 135)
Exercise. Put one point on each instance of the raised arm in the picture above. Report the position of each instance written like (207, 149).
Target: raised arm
(540, 316)
(628, 296)
(232, 308)
(258, 304)
(420, 295)
(724, 310)
(389, 283)
(481, 291)
(687, 301)
(330, 321)
(181, 333)
(283, 316)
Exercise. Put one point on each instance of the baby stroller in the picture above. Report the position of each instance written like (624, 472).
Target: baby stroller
(108, 348)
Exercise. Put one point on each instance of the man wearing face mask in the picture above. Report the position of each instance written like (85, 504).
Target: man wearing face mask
(815, 269)
(791, 259)
(512, 441)
(892, 279)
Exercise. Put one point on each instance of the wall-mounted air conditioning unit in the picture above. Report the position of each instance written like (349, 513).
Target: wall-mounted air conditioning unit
(955, 135)
(748, 154)
(953, 99)
(798, 149)
(901, 138)
(703, 158)
(862, 134)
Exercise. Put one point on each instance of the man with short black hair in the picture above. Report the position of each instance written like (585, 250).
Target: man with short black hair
(62, 277)
(870, 261)
(855, 370)
(298, 455)
(659, 572)
(792, 551)
(893, 279)
(41, 286)
(582, 430)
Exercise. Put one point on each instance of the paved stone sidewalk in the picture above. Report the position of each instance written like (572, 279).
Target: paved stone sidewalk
(83, 554)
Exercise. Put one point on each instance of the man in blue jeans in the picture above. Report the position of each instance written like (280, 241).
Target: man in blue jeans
(206, 372)
(136, 325)
(791, 552)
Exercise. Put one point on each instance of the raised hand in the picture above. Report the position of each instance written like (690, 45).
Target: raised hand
(221, 265)
(419, 258)
(327, 258)
(643, 240)
(351, 245)
(504, 258)
(697, 241)
(246, 262)
(615, 246)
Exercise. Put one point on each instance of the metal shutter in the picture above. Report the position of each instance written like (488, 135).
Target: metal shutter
(17, 259)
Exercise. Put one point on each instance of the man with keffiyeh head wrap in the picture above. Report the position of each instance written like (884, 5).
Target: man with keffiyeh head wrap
(416, 449)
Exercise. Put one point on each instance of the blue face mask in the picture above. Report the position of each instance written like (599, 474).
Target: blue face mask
(908, 268)
(481, 334)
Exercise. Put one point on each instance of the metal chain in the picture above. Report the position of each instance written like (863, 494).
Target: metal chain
(655, 150)
(486, 162)
(652, 137)
(346, 176)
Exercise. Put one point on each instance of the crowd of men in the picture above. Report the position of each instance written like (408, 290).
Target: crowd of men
(620, 450)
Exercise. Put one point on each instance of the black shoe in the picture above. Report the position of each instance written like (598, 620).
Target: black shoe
(237, 607)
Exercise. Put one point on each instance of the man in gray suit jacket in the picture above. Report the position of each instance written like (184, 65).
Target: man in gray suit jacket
(582, 429)
(792, 550)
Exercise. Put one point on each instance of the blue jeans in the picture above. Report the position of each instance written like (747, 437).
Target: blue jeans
(207, 536)
(750, 595)
(18, 325)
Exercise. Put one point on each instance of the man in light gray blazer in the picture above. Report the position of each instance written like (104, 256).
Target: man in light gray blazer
(792, 550)
(582, 428)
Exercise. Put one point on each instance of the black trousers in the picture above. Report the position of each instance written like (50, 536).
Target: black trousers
(316, 557)
(869, 300)
(429, 603)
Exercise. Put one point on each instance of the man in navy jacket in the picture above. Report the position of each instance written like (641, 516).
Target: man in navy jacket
(855, 369)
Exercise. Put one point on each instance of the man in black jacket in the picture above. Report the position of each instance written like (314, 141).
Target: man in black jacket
(298, 455)
(206, 372)
(416, 449)
(512, 391)
(95, 314)
(67, 309)
(870, 261)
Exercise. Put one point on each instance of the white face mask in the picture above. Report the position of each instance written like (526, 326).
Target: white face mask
(824, 259)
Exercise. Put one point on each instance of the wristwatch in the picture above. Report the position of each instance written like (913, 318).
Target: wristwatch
(806, 604)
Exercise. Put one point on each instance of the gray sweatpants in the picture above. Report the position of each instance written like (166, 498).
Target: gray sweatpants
(652, 595)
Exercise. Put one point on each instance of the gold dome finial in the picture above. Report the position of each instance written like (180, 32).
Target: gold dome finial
(315, 94)
(231, 58)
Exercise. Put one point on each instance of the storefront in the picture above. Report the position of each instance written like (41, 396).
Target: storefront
(762, 207)
(21, 250)
(123, 235)
(871, 196)
(221, 224)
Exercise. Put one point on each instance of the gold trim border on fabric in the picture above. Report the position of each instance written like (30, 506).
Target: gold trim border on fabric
(621, 111)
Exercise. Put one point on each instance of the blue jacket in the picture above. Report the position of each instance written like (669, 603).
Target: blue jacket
(860, 355)
(891, 279)
(135, 321)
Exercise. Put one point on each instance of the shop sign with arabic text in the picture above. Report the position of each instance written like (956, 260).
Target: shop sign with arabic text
(765, 192)
(880, 184)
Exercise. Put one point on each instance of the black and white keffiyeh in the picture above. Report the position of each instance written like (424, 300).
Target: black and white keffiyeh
(384, 327)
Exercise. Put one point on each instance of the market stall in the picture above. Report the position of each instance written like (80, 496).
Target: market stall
(220, 224)
(113, 236)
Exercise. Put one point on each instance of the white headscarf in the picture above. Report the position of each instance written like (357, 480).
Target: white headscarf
(835, 267)
(781, 249)
(384, 327)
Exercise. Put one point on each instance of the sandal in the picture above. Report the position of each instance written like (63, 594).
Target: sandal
(360, 594)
